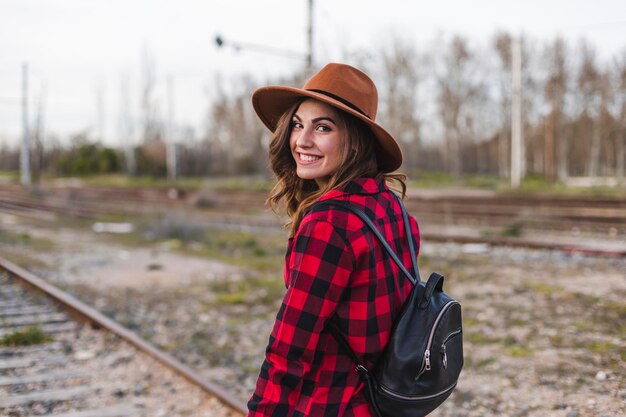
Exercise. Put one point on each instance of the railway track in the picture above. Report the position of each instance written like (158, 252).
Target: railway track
(602, 214)
(88, 365)
(229, 209)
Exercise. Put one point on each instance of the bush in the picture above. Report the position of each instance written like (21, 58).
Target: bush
(32, 335)
(86, 159)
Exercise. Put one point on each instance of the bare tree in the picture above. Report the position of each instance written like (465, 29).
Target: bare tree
(149, 106)
(502, 43)
(235, 137)
(38, 136)
(620, 140)
(458, 89)
(126, 126)
(532, 98)
(588, 82)
(399, 90)
(555, 90)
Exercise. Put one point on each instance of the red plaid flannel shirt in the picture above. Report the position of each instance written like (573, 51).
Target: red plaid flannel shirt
(335, 268)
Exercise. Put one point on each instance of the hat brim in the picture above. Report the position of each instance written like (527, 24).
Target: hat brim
(271, 102)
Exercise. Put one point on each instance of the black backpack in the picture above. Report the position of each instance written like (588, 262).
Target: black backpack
(420, 365)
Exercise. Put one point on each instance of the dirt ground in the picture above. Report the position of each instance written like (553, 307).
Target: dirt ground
(544, 331)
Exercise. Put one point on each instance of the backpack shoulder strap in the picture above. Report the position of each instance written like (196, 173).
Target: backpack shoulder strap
(334, 331)
(410, 237)
(407, 226)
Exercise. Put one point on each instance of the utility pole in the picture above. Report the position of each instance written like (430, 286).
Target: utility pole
(100, 118)
(126, 130)
(25, 150)
(309, 57)
(517, 146)
(171, 144)
(38, 136)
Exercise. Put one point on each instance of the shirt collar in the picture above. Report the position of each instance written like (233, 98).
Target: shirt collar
(364, 185)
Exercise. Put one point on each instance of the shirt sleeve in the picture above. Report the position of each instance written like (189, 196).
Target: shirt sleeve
(318, 271)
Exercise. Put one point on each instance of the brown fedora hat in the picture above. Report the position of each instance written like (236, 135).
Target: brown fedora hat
(340, 86)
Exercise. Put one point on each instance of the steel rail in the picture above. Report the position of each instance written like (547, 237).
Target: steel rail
(526, 243)
(81, 312)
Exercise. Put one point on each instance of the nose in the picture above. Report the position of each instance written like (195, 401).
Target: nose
(304, 139)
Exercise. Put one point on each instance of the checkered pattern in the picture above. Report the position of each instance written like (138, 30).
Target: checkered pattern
(335, 268)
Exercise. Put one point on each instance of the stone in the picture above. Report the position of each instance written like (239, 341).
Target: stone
(139, 390)
(119, 392)
(83, 355)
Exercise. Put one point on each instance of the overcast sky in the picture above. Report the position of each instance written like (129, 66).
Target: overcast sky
(77, 48)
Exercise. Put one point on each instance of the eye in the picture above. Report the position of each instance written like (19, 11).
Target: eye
(296, 125)
(324, 128)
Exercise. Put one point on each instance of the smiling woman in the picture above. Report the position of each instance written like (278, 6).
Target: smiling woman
(328, 147)
(317, 141)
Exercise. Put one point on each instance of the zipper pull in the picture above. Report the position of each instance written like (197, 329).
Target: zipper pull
(445, 356)
(427, 357)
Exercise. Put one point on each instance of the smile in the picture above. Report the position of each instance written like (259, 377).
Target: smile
(308, 158)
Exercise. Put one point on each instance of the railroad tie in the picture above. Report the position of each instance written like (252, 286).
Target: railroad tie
(64, 394)
(34, 319)
(7, 364)
(11, 303)
(120, 410)
(25, 310)
(6, 352)
(88, 371)
(43, 377)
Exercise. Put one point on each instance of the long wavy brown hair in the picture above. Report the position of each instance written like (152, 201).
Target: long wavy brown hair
(297, 195)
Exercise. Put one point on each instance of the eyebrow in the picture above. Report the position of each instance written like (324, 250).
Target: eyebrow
(317, 119)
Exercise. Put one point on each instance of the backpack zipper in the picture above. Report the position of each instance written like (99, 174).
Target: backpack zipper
(416, 397)
(443, 347)
(426, 361)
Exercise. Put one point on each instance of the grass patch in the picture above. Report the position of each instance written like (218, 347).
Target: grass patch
(545, 289)
(175, 232)
(443, 180)
(26, 240)
(532, 184)
(252, 290)
(120, 180)
(32, 335)
(23, 260)
(481, 338)
(469, 322)
(615, 313)
(536, 184)
(600, 347)
(510, 345)
(512, 230)
(480, 364)
(481, 181)
(519, 351)
(516, 322)
(13, 176)
(592, 313)
(231, 298)
(254, 251)
(251, 183)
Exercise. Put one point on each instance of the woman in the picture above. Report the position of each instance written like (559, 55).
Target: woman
(327, 146)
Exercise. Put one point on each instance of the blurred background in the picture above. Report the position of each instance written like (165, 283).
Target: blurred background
(122, 80)
(133, 174)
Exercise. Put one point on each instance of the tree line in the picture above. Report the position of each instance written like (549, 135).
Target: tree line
(448, 104)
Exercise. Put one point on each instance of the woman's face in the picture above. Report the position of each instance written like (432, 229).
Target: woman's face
(317, 141)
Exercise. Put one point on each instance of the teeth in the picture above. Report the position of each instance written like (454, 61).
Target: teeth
(309, 158)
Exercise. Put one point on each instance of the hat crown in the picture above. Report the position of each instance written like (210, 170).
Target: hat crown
(348, 85)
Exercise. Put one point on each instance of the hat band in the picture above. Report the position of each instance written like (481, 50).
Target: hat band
(341, 100)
